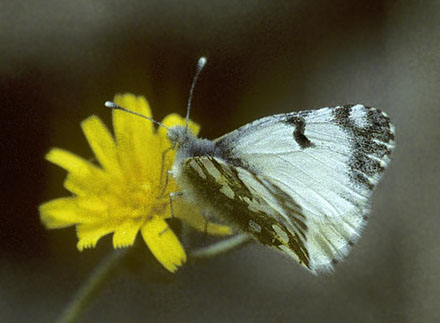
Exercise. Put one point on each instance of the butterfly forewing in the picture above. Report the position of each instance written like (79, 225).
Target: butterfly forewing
(298, 182)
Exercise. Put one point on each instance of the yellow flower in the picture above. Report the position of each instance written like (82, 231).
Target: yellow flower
(125, 194)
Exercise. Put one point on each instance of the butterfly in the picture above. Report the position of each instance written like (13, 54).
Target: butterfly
(298, 182)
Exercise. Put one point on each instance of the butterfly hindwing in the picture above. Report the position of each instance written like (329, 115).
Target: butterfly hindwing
(249, 202)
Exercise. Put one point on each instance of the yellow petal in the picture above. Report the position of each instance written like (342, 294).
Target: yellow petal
(92, 203)
(173, 120)
(137, 146)
(92, 185)
(219, 229)
(125, 234)
(136, 104)
(83, 177)
(215, 229)
(89, 234)
(72, 163)
(192, 215)
(128, 126)
(62, 212)
(102, 143)
(76, 186)
(163, 243)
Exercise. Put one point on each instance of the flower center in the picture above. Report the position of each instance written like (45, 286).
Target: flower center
(143, 202)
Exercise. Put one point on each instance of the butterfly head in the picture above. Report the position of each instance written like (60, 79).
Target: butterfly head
(187, 145)
(179, 136)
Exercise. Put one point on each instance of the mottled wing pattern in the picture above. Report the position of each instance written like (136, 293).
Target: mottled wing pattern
(251, 203)
(300, 182)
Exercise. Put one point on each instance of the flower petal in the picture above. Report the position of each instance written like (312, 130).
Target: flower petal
(89, 234)
(62, 212)
(92, 203)
(125, 234)
(89, 185)
(102, 143)
(123, 120)
(76, 186)
(128, 126)
(84, 177)
(218, 229)
(136, 143)
(72, 163)
(173, 120)
(163, 243)
(192, 215)
(209, 227)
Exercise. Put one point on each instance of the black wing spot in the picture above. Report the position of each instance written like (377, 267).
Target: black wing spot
(365, 141)
(298, 133)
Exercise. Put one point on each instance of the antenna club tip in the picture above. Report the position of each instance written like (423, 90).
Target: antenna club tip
(110, 104)
(202, 61)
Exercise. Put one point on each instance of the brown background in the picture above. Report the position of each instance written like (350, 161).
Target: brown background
(60, 60)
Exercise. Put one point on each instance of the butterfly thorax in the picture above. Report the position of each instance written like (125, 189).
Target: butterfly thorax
(188, 145)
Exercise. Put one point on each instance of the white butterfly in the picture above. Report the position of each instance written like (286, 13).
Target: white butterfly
(298, 182)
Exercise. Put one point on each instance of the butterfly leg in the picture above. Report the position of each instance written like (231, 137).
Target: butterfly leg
(162, 193)
(162, 168)
(171, 196)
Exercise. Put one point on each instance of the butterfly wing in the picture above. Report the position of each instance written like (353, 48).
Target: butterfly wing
(313, 172)
(298, 182)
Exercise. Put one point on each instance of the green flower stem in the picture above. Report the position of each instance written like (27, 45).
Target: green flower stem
(86, 294)
(220, 247)
(108, 268)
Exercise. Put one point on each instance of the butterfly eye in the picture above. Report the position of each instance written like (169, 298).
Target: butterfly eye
(172, 136)
(176, 135)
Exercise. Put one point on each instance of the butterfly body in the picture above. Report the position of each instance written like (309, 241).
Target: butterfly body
(298, 182)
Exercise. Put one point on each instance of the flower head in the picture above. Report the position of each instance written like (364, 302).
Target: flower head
(126, 192)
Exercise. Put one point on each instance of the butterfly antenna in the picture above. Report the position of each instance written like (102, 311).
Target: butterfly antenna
(114, 106)
(200, 64)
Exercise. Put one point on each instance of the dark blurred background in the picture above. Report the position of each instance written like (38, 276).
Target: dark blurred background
(60, 60)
